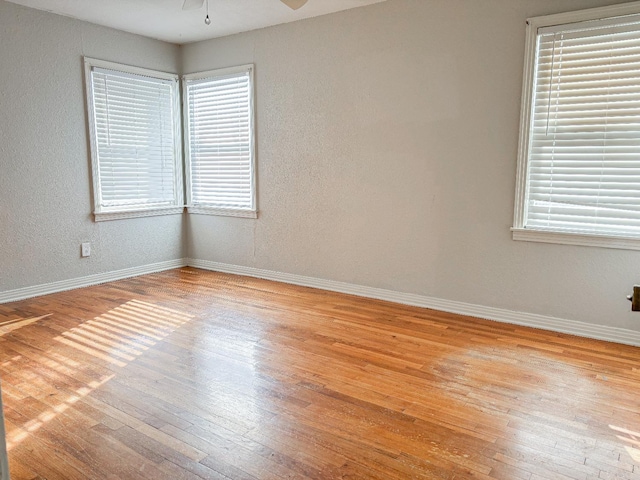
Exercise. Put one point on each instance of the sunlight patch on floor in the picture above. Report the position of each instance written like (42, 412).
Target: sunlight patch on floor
(11, 325)
(629, 437)
(116, 337)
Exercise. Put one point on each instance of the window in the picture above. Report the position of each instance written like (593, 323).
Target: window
(135, 141)
(219, 143)
(579, 158)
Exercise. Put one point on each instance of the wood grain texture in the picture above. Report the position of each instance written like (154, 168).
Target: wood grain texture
(188, 374)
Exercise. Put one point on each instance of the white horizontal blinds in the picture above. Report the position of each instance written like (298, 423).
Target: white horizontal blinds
(220, 141)
(584, 153)
(135, 139)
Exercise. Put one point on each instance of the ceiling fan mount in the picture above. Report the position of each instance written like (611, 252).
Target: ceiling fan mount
(195, 4)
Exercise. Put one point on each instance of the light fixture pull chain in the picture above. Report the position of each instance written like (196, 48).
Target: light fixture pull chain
(207, 20)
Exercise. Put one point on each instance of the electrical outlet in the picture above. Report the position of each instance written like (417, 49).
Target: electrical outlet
(86, 249)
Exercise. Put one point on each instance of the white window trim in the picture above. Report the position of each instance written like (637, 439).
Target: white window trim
(204, 210)
(101, 214)
(147, 212)
(225, 212)
(519, 232)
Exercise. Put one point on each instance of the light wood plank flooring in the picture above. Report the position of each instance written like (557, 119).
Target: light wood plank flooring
(188, 374)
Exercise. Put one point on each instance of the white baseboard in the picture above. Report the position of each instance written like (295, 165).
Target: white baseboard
(61, 286)
(573, 327)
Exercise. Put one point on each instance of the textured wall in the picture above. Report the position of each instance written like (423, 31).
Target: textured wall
(387, 140)
(45, 182)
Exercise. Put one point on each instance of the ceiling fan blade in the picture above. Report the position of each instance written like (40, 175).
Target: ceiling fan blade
(192, 4)
(294, 4)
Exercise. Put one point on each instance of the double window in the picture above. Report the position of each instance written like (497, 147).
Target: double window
(136, 141)
(579, 159)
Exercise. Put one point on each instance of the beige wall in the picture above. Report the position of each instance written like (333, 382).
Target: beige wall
(45, 182)
(386, 144)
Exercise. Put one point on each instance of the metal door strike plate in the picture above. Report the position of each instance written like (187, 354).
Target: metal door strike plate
(635, 299)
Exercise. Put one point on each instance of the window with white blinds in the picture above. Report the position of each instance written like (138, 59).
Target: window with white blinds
(580, 156)
(218, 112)
(135, 140)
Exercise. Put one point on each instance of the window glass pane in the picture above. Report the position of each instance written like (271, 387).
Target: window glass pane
(220, 141)
(583, 170)
(134, 140)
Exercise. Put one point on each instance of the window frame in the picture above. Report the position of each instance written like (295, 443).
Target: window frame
(100, 212)
(215, 210)
(519, 232)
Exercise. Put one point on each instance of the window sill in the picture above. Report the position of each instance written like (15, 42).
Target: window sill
(571, 238)
(150, 212)
(224, 212)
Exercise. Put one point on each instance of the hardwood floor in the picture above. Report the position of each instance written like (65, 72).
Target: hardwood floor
(190, 374)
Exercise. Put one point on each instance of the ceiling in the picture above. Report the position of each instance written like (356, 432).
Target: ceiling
(165, 19)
